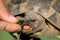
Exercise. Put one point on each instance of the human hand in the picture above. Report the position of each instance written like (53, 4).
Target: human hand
(7, 22)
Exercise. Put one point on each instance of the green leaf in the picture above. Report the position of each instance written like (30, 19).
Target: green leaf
(42, 37)
(21, 22)
(58, 37)
(48, 38)
(16, 35)
(5, 35)
(53, 38)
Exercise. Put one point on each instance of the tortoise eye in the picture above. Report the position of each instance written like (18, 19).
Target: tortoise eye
(33, 20)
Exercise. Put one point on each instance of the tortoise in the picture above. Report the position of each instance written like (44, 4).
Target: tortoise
(45, 15)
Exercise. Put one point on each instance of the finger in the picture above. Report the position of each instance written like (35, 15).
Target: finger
(10, 27)
(7, 17)
(4, 14)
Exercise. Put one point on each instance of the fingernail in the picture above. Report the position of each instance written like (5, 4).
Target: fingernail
(12, 18)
